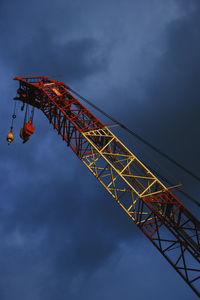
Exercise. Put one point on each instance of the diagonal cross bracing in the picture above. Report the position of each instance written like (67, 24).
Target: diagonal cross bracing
(172, 229)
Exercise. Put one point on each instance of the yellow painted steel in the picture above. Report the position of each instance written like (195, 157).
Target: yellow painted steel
(121, 173)
(10, 137)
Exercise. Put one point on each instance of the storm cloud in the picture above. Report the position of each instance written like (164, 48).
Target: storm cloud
(62, 236)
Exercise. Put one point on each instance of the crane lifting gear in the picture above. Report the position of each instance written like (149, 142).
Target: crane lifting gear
(10, 137)
(26, 131)
(165, 221)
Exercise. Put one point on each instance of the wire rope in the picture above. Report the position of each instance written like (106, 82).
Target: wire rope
(147, 143)
(172, 160)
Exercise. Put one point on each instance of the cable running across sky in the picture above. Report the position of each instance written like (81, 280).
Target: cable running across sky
(151, 205)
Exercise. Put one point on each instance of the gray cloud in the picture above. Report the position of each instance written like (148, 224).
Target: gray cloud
(62, 236)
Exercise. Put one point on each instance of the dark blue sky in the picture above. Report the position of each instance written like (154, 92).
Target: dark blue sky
(61, 235)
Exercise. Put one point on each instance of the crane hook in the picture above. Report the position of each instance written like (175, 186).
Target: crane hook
(10, 136)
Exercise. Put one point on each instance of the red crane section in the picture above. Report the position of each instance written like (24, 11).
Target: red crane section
(167, 223)
(65, 112)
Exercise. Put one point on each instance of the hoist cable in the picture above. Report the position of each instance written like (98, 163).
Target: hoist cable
(26, 113)
(13, 115)
(164, 178)
(138, 137)
(152, 158)
(32, 115)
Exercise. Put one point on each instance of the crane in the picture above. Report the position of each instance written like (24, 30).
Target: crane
(164, 220)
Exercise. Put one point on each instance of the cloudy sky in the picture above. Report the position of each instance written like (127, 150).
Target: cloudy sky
(61, 235)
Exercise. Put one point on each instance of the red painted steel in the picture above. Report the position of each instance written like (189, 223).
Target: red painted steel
(62, 109)
(179, 244)
(27, 131)
(172, 229)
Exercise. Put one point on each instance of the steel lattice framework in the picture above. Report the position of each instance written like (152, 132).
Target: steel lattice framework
(172, 229)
